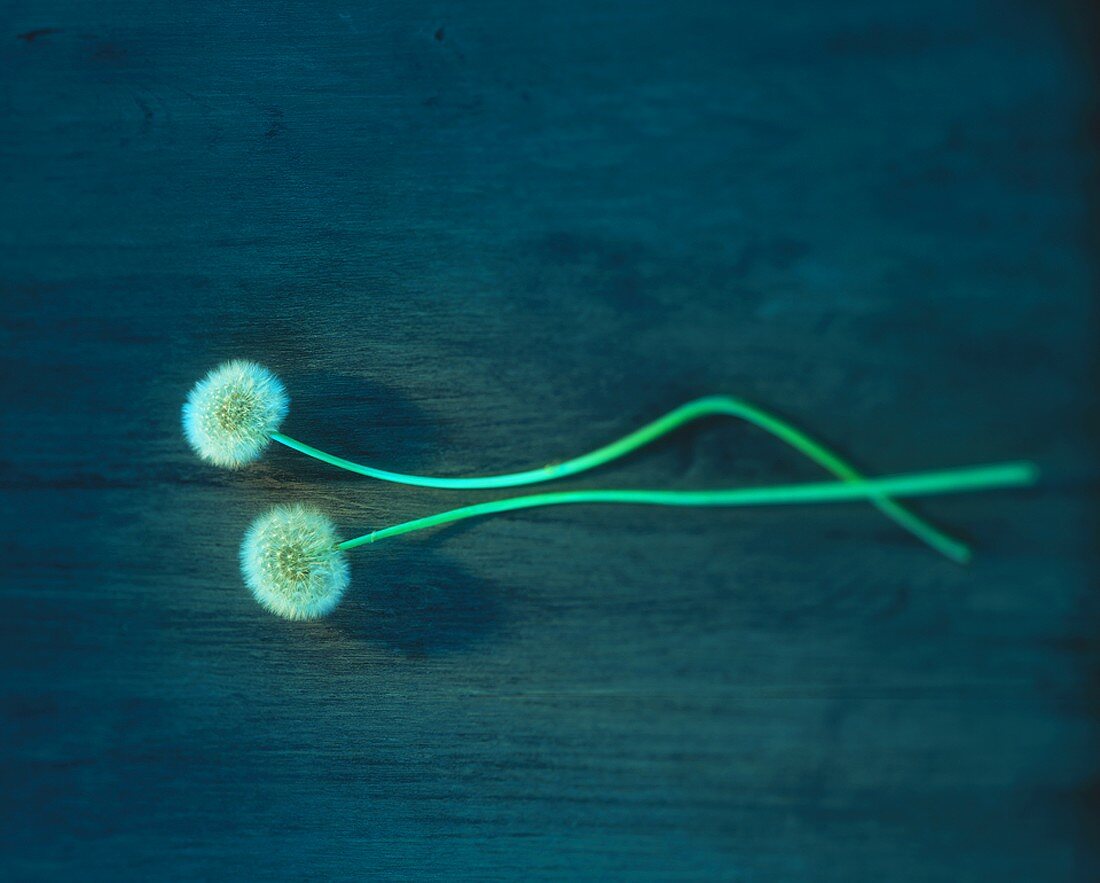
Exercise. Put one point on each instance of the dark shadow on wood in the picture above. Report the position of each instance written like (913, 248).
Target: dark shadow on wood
(420, 604)
(359, 420)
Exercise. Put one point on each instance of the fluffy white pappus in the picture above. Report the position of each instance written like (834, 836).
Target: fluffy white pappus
(230, 414)
(291, 564)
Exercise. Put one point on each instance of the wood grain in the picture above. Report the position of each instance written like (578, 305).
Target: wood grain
(477, 237)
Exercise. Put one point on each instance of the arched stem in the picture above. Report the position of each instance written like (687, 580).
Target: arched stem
(1002, 475)
(694, 410)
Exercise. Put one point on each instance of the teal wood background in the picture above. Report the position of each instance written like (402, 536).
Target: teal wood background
(481, 236)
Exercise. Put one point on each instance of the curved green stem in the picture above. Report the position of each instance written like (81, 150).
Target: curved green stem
(694, 410)
(1001, 475)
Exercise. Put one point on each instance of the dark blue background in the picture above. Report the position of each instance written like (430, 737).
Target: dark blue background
(474, 237)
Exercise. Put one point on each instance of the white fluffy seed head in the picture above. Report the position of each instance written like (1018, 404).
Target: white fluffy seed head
(290, 562)
(230, 414)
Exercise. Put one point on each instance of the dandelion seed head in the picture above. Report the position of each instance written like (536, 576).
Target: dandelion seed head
(230, 414)
(291, 564)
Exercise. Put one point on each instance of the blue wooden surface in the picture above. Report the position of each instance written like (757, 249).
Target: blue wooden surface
(480, 236)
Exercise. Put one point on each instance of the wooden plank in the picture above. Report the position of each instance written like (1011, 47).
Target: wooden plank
(477, 237)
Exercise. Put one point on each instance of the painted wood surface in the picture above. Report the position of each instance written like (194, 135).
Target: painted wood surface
(474, 237)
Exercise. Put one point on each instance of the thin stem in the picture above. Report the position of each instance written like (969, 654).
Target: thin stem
(1001, 475)
(694, 410)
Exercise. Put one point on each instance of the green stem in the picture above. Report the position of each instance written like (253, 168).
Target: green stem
(695, 410)
(1001, 475)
